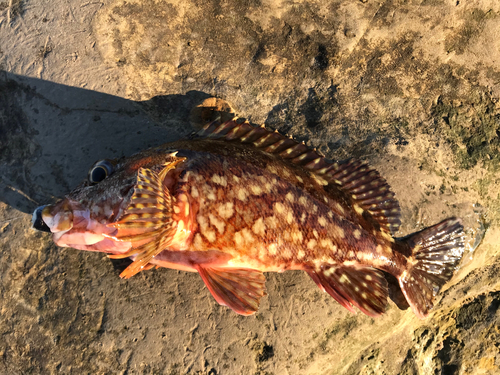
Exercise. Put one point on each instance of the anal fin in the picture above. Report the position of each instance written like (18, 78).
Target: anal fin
(363, 287)
(239, 289)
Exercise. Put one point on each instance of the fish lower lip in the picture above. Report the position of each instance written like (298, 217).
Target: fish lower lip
(37, 221)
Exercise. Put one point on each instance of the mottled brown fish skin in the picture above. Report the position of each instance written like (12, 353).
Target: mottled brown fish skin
(270, 216)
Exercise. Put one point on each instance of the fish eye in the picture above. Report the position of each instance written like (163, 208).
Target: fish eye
(100, 171)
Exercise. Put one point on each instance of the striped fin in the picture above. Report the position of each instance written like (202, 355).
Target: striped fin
(362, 183)
(436, 252)
(368, 190)
(363, 287)
(237, 288)
(147, 219)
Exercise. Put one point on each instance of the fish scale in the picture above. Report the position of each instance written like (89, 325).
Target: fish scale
(250, 229)
(239, 200)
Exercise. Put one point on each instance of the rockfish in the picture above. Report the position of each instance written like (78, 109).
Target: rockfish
(235, 201)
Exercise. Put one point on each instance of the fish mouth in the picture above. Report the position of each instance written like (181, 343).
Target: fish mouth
(72, 226)
(37, 220)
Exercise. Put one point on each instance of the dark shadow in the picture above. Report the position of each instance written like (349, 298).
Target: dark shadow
(312, 109)
(50, 134)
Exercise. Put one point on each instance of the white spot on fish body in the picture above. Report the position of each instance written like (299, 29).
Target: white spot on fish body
(247, 235)
(202, 222)
(242, 194)
(220, 180)
(279, 207)
(255, 189)
(271, 222)
(297, 236)
(312, 244)
(328, 244)
(226, 210)
(238, 239)
(272, 169)
(338, 231)
(259, 228)
(210, 235)
(272, 248)
(219, 224)
(197, 241)
(194, 192)
(322, 221)
(209, 192)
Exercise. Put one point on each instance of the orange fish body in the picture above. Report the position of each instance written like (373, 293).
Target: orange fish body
(239, 201)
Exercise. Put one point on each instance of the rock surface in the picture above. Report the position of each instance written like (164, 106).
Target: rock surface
(411, 86)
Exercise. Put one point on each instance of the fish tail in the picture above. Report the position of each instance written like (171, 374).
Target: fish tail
(435, 253)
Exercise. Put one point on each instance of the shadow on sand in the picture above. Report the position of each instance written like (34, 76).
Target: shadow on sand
(50, 134)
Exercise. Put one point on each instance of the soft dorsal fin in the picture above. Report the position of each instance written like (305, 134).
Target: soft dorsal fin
(362, 183)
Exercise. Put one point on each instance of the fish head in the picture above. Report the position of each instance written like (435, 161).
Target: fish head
(92, 216)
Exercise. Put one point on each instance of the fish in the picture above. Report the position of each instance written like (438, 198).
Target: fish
(236, 200)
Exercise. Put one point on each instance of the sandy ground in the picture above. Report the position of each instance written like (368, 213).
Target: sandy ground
(412, 87)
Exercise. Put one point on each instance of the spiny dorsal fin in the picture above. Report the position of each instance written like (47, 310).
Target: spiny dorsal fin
(364, 184)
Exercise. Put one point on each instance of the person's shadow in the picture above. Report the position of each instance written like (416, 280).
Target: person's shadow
(50, 134)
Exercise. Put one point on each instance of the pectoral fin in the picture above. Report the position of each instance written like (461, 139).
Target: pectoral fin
(147, 221)
(237, 288)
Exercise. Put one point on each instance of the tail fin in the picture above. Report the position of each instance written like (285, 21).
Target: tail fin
(436, 251)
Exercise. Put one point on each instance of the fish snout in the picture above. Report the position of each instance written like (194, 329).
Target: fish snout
(37, 220)
(53, 218)
(71, 225)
